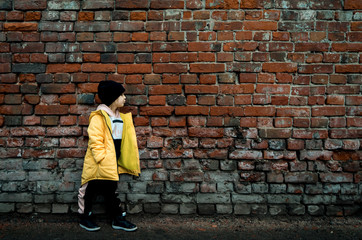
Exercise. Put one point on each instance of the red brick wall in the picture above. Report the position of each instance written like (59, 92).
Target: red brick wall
(240, 106)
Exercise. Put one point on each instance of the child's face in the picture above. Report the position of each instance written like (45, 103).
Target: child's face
(120, 101)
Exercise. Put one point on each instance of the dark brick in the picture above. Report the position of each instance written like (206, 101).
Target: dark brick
(176, 100)
(314, 144)
(301, 177)
(57, 88)
(120, 15)
(108, 58)
(30, 4)
(246, 67)
(64, 5)
(91, 27)
(29, 88)
(292, 27)
(96, 5)
(5, 57)
(12, 99)
(13, 120)
(143, 58)
(135, 4)
(28, 68)
(56, 58)
(98, 47)
(137, 100)
(155, 187)
(153, 208)
(56, 26)
(61, 47)
(6, 4)
(85, 98)
(127, 26)
(50, 15)
(27, 47)
(325, 4)
(206, 209)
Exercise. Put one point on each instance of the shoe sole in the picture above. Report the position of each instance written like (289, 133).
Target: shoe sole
(124, 229)
(90, 229)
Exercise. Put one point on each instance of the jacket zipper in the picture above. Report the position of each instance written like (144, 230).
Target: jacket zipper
(105, 119)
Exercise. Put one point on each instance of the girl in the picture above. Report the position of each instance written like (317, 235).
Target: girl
(112, 150)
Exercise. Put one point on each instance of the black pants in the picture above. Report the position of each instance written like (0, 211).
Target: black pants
(107, 189)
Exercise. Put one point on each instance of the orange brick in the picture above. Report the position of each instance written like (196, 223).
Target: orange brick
(226, 4)
(260, 25)
(157, 100)
(32, 16)
(85, 16)
(63, 68)
(98, 67)
(134, 68)
(22, 26)
(141, 16)
(140, 37)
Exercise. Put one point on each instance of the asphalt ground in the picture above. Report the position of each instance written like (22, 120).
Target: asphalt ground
(159, 227)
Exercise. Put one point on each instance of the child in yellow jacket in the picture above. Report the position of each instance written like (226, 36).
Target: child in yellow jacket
(112, 150)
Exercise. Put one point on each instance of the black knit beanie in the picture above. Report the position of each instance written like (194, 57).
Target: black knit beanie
(109, 91)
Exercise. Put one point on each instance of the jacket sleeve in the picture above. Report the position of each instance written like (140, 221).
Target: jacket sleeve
(96, 132)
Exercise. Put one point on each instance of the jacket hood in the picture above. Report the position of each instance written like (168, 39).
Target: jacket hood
(104, 108)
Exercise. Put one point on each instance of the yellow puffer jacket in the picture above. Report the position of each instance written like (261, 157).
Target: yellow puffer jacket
(100, 160)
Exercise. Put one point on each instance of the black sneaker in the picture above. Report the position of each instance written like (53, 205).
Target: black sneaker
(88, 223)
(120, 223)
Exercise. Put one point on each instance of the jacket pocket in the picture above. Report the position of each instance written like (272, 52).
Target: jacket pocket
(107, 168)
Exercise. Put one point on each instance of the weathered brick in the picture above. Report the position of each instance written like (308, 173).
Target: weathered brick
(284, 198)
(57, 88)
(30, 5)
(302, 177)
(251, 198)
(245, 154)
(315, 68)
(15, 197)
(64, 5)
(56, 26)
(336, 177)
(6, 5)
(212, 198)
(7, 207)
(275, 133)
(105, 4)
(91, 26)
